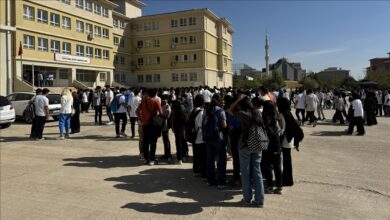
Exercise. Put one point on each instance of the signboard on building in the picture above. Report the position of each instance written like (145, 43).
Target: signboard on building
(71, 59)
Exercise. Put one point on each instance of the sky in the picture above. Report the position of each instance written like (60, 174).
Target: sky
(318, 34)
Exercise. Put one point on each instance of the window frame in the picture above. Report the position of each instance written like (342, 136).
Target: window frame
(89, 28)
(89, 52)
(78, 29)
(53, 23)
(116, 41)
(69, 27)
(98, 53)
(193, 76)
(97, 9)
(78, 5)
(140, 78)
(78, 53)
(183, 77)
(28, 45)
(54, 49)
(98, 31)
(28, 16)
(42, 48)
(65, 49)
(88, 5)
(39, 19)
(174, 23)
(174, 77)
(106, 35)
(106, 54)
(105, 12)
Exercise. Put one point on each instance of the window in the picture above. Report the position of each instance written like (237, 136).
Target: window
(192, 21)
(193, 58)
(148, 78)
(183, 40)
(54, 19)
(105, 12)
(122, 24)
(88, 28)
(140, 44)
(192, 40)
(28, 12)
(115, 22)
(115, 59)
(43, 44)
(80, 4)
(140, 78)
(42, 16)
(224, 29)
(64, 74)
(116, 41)
(224, 45)
(183, 21)
(175, 77)
(106, 54)
(66, 49)
(105, 33)
(88, 5)
(225, 61)
(66, 1)
(98, 53)
(122, 43)
(156, 60)
(183, 77)
(80, 50)
(156, 78)
(155, 25)
(174, 23)
(54, 46)
(28, 41)
(193, 77)
(66, 24)
(97, 9)
(140, 61)
(80, 26)
(148, 43)
(122, 60)
(89, 51)
(98, 31)
(175, 40)
(156, 43)
(103, 76)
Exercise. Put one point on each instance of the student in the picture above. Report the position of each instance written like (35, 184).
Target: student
(166, 113)
(109, 94)
(34, 121)
(97, 105)
(75, 118)
(357, 114)
(65, 113)
(121, 113)
(311, 102)
(300, 106)
(251, 177)
(199, 167)
(41, 103)
(134, 103)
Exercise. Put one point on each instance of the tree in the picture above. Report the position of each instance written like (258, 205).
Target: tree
(381, 77)
(310, 83)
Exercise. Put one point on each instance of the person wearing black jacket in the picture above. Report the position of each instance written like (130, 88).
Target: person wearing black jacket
(292, 135)
(75, 119)
(271, 157)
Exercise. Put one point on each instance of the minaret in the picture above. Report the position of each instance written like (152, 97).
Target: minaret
(266, 54)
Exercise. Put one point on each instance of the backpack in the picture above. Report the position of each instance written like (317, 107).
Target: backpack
(257, 137)
(29, 112)
(115, 104)
(190, 132)
(210, 126)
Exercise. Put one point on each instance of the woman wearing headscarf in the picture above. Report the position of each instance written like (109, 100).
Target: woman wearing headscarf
(75, 118)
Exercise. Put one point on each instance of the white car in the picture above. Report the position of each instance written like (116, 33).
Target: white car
(7, 112)
(20, 101)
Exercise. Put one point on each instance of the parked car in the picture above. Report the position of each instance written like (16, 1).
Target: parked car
(20, 101)
(7, 112)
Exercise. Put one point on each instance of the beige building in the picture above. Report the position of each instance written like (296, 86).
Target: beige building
(86, 43)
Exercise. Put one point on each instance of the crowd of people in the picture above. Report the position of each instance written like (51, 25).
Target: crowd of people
(253, 127)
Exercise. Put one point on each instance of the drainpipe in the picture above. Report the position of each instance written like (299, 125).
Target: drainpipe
(9, 49)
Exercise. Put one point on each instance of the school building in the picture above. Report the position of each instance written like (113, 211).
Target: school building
(86, 43)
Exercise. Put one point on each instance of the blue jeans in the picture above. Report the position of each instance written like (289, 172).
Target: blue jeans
(251, 175)
(64, 123)
(216, 149)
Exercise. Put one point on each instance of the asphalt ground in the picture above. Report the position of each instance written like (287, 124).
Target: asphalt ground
(94, 175)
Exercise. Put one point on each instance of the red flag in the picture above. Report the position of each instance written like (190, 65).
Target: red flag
(20, 53)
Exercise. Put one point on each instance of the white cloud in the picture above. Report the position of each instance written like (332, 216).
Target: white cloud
(303, 54)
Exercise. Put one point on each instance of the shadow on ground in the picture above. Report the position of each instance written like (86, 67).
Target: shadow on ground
(104, 162)
(179, 184)
(329, 133)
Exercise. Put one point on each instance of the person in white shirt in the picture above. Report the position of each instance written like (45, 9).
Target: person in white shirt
(134, 103)
(311, 103)
(65, 113)
(206, 95)
(379, 98)
(386, 103)
(121, 113)
(300, 106)
(85, 102)
(358, 114)
(320, 109)
(199, 147)
(109, 94)
(41, 103)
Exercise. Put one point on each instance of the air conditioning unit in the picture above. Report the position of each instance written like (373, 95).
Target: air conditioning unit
(91, 36)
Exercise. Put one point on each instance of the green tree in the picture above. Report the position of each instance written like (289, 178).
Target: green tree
(380, 77)
(310, 83)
